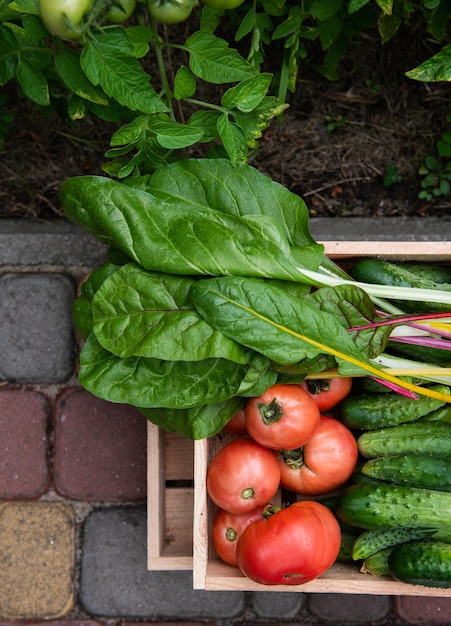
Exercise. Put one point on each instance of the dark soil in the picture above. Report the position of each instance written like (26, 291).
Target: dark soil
(378, 118)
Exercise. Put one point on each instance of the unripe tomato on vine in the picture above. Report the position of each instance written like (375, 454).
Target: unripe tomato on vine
(223, 4)
(170, 11)
(65, 18)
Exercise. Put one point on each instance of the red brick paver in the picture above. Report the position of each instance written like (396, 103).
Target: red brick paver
(417, 610)
(100, 449)
(23, 444)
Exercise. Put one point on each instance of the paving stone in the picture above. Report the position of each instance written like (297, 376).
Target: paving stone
(115, 580)
(36, 336)
(283, 605)
(23, 445)
(425, 610)
(23, 242)
(37, 560)
(350, 607)
(100, 449)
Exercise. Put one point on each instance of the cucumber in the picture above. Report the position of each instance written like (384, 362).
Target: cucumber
(411, 469)
(440, 415)
(371, 541)
(396, 274)
(390, 506)
(423, 437)
(369, 411)
(436, 356)
(437, 272)
(425, 563)
(377, 563)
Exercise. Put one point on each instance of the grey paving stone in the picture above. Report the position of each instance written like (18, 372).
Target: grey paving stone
(380, 229)
(277, 604)
(115, 580)
(363, 609)
(23, 242)
(36, 337)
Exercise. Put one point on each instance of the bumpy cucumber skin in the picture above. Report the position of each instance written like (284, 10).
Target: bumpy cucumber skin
(385, 273)
(371, 541)
(422, 437)
(371, 507)
(412, 470)
(369, 411)
(425, 563)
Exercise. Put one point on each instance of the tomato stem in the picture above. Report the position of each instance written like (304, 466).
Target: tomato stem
(271, 412)
(293, 458)
(248, 493)
(231, 534)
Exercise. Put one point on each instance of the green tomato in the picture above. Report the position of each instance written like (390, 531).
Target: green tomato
(120, 11)
(170, 11)
(65, 18)
(223, 4)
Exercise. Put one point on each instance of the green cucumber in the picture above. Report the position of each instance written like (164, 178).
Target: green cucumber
(369, 411)
(422, 437)
(371, 541)
(440, 415)
(411, 469)
(370, 270)
(390, 506)
(437, 272)
(436, 356)
(377, 563)
(425, 563)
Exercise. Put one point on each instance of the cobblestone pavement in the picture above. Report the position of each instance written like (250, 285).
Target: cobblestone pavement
(73, 468)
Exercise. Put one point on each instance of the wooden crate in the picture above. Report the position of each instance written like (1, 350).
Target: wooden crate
(173, 516)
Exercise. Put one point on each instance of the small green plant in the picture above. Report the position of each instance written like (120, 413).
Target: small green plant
(332, 123)
(392, 176)
(437, 170)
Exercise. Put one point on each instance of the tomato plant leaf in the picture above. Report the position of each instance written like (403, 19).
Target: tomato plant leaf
(33, 82)
(108, 61)
(67, 63)
(212, 59)
(232, 138)
(141, 313)
(150, 383)
(173, 136)
(435, 69)
(248, 94)
(184, 83)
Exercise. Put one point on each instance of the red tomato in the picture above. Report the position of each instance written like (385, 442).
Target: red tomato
(237, 425)
(328, 392)
(242, 476)
(227, 529)
(324, 463)
(291, 547)
(284, 417)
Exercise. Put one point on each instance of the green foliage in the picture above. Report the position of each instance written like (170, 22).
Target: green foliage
(436, 170)
(103, 69)
(392, 176)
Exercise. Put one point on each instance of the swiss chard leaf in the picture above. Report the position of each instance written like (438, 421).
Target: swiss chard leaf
(235, 189)
(154, 383)
(197, 422)
(352, 307)
(141, 313)
(180, 239)
(267, 319)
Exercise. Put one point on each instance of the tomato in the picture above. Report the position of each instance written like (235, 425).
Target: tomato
(292, 546)
(65, 18)
(120, 11)
(223, 4)
(170, 11)
(325, 462)
(237, 425)
(227, 529)
(242, 476)
(329, 392)
(284, 417)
